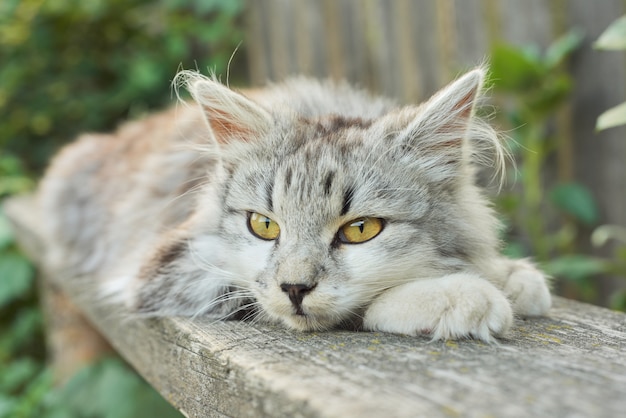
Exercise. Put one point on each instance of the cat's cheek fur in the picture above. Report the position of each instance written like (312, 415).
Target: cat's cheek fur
(461, 305)
(248, 262)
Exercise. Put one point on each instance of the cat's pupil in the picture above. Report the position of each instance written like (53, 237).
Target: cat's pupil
(361, 225)
(267, 223)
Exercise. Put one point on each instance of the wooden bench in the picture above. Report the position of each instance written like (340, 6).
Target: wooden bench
(571, 363)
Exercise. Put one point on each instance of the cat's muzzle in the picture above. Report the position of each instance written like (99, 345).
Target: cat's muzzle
(296, 293)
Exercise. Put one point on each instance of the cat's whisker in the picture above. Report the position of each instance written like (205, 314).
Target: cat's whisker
(225, 297)
(240, 308)
(156, 210)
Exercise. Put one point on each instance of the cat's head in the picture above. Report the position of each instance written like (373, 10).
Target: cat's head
(311, 217)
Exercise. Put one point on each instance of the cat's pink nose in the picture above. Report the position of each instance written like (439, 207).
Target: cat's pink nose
(296, 293)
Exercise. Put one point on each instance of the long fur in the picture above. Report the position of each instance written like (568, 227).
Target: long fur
(156, 213)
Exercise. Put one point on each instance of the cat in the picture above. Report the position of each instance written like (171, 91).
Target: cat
(307, 203)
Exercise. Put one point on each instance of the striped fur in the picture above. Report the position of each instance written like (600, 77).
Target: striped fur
(157, 212)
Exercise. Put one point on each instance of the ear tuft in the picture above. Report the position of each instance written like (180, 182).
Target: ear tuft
(443, 133)
(453, 105)
(231, 115)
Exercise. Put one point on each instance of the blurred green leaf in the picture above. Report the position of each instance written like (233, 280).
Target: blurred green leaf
(24, 329)
(576, 200)
(7, 405)
(6, 234)
(562, 47)
(16, 374)
(16, 277)
(29, 404)
(513, 70)
(515, 250)
(614, 37)
(553, 94)
(109, 389)
(611, 118)
(576, 267)
(70, 67)
(618, 300)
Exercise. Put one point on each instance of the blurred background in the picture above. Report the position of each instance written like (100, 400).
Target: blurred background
(70, 66)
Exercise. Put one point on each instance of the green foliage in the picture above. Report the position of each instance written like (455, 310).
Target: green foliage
(615, 234)
(13, 177)
(22, 381)
(576, 267)
(535, 80)
(613, 38)
(577, 201)
(70, 66)
(106, 389)
(17, 276)
(544, 220)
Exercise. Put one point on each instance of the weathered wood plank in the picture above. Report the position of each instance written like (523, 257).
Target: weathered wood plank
(571, 363)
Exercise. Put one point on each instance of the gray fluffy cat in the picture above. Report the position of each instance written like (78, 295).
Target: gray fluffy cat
(309, 204)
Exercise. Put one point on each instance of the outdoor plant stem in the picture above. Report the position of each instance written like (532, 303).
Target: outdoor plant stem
(534, 155)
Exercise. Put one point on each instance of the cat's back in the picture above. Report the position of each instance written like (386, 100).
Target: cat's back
(104, 190)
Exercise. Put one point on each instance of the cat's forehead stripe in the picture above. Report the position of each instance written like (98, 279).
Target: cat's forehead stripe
(347, 200)
(288, 175)
(328, 182)
(334, 123)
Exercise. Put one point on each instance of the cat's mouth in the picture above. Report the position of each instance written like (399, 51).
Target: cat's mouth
(303, 308)
(306, 322)
(307, 319)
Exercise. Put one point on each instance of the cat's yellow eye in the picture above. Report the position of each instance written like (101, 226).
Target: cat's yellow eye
(360, 230)
(263, 227)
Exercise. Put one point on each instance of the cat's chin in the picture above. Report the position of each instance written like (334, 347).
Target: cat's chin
(307, 322)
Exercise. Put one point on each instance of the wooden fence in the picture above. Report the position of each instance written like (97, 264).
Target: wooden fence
(408, 49)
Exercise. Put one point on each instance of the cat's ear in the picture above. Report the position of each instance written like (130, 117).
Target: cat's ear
(230, 115)
(451, 109)
(437, 130)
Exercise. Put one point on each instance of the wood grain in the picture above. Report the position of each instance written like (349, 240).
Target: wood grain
(571, 363)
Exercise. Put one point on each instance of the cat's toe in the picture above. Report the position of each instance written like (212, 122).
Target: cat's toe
(480, 312)
(527, 289)
(452, 307)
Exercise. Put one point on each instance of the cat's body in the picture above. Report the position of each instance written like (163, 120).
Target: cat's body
(307, 203)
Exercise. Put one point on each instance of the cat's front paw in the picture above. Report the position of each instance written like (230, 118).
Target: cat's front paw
(450, 307)
(527, 289)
